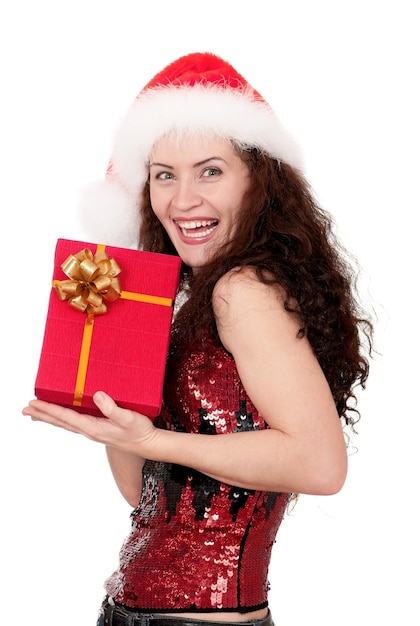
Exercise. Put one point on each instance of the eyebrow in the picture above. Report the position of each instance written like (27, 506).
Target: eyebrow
(199, 164)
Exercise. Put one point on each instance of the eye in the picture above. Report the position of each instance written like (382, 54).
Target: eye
(211, 172)
(164, 176)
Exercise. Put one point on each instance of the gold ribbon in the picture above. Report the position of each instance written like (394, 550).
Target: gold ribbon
(93, 279)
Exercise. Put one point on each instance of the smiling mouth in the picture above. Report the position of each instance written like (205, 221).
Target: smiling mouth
(197, 228)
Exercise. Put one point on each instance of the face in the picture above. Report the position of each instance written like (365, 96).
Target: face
(196, 191)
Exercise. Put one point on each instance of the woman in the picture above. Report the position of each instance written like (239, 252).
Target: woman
(266, 348)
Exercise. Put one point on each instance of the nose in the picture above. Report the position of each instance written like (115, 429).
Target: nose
(186, 195)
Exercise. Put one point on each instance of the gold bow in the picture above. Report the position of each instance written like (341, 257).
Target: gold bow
(92, 279)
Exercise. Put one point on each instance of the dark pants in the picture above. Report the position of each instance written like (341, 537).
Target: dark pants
(113, 614)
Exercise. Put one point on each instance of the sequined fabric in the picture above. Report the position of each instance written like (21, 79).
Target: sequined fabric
(197, 543)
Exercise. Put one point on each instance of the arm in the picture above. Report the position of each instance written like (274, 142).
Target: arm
(303, 451)
(285, 382)
(126, 469)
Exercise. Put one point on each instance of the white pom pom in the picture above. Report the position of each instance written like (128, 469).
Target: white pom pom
(108, 215)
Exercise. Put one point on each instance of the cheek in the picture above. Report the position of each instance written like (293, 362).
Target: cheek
(156, 204)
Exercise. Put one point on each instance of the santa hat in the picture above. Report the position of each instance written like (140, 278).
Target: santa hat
(199, 93)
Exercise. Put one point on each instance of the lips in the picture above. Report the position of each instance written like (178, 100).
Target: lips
(196, 229)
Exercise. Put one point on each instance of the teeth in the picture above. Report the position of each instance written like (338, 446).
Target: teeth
(188, 228)
(192, 225)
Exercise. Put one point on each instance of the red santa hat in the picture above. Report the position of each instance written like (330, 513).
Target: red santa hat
(199, 93)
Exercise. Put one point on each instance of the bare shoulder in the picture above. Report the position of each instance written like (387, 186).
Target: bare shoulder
(242, 303)
(241, 288)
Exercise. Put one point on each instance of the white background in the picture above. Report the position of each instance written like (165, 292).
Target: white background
(343, 77)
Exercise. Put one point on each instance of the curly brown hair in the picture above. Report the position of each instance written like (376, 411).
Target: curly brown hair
(288, 239)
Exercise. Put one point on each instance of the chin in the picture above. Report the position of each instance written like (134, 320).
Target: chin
(194, 263)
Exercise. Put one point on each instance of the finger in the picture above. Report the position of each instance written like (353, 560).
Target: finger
(57, 415)
(37, 408)
(121, 418)
(105, 404)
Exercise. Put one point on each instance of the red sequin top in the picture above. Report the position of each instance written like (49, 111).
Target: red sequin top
(198, 544)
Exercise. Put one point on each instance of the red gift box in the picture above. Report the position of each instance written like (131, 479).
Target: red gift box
(122, 351)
